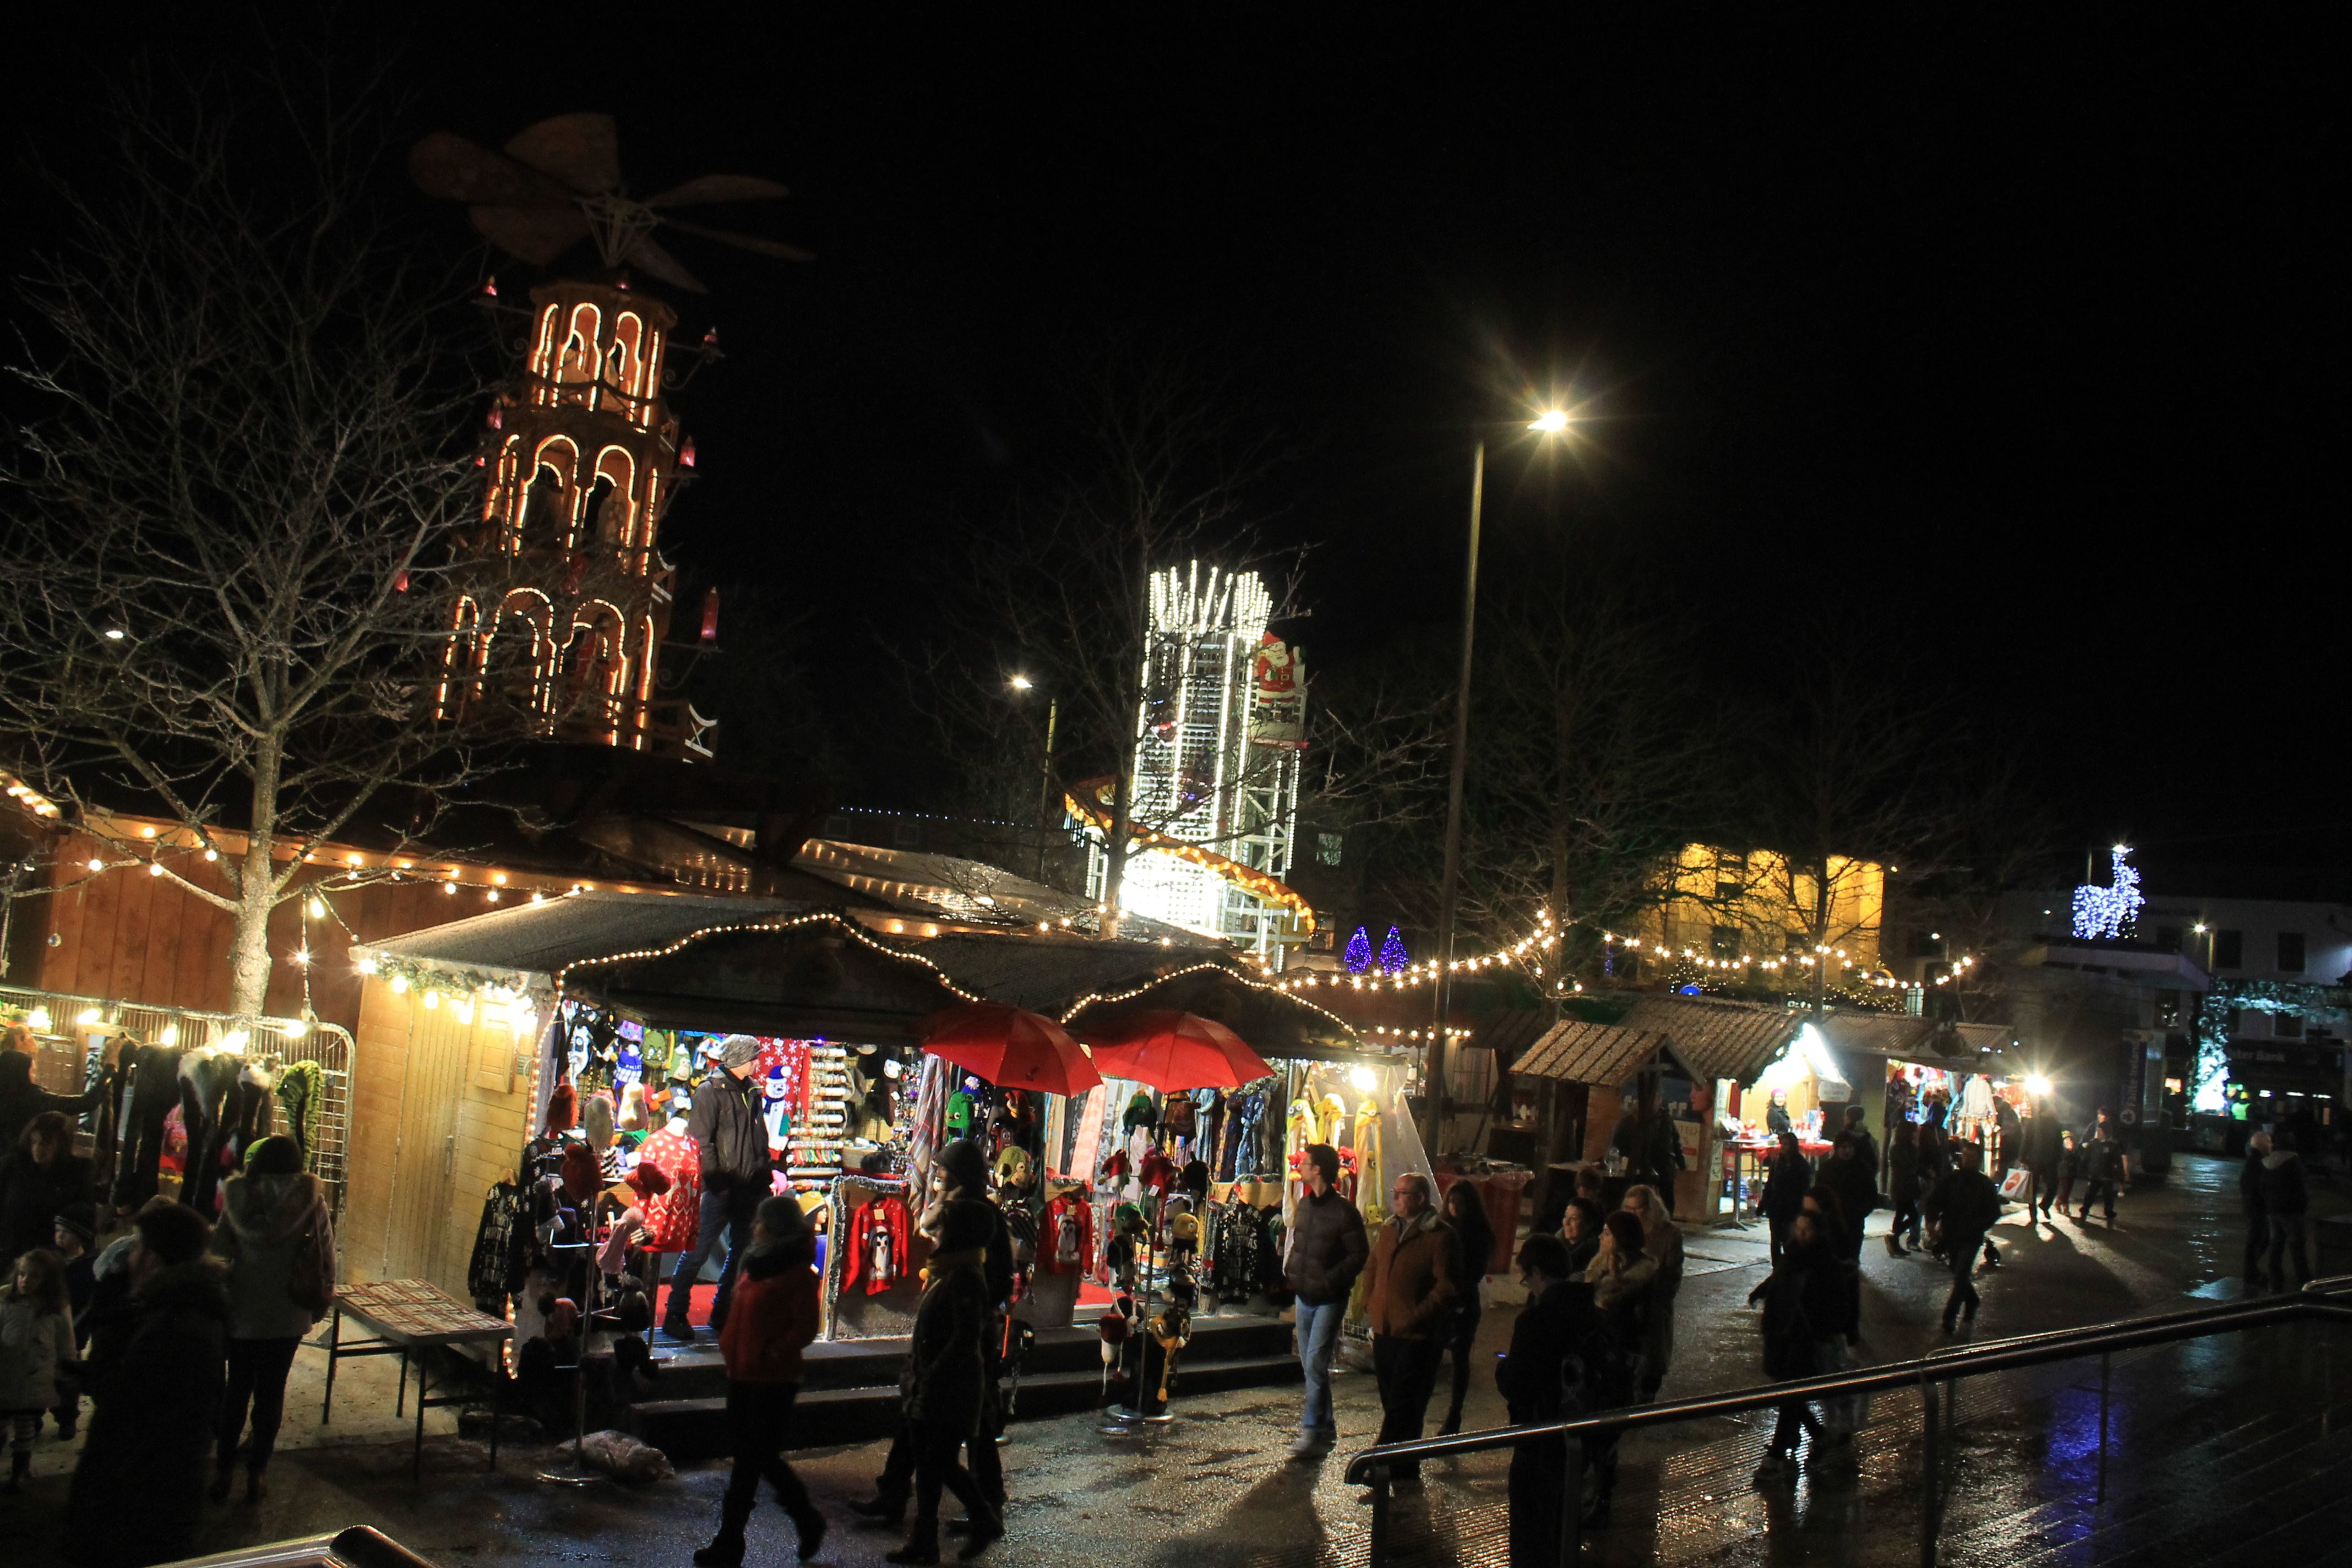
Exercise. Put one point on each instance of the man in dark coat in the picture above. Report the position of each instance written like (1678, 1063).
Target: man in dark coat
(2250, 1199)
(944, 1381)
(2286, 1201)
(1786, 1177)
(156, 1369)
(730, 1140)
(1855, 1181)
(1865, 1146)
(1965, 1205)
(2102, 1161)
(1328, 1248)
(1560, 1356)
(2041, 1154)
(1803, 1305)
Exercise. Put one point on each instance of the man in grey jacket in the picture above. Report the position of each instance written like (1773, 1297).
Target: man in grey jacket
(1327, 1251)
(731, 1139)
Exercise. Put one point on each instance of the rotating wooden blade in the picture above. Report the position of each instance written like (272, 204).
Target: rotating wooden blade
(649, 258)
(707, 188)
(452, 167)
(584, 150)
(775, 248)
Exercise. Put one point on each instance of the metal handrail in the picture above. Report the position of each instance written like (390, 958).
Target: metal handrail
(1372, 1466)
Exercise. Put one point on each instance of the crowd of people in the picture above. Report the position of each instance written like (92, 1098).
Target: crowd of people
(180, 1330)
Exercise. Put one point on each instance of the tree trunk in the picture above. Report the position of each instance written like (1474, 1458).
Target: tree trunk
(1122, 809)
(257, 893)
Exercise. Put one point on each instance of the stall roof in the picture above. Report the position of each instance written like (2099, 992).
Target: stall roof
(969, 892)
(1733, 1040)
(1882, 1035)
(535, 940)
(1054, 975)
(1576, 1052)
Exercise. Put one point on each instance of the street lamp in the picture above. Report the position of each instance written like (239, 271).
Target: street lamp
(1046, 769)
(1551, 422)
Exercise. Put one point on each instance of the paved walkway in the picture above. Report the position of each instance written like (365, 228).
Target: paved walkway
(2213, 1445)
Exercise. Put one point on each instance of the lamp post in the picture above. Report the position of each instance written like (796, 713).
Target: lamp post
(1045, 768)
(1551, 423)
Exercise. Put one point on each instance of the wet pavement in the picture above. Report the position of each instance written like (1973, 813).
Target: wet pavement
(2231, 1450)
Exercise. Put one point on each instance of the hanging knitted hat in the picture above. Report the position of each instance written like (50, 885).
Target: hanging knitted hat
(581, 1175)
(562, 1112)
(597, 1121)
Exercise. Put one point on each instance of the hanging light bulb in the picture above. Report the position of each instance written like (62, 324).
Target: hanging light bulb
(89, 1017)
(400, 985)
(169, 1036)
(432, 999)
(316, 909)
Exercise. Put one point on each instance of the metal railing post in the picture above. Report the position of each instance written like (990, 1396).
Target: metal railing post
(2105, 1358)
(1929, 1463)
(1379, 1515)
(1572, 1502)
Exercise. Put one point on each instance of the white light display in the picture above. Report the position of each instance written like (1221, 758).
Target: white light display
(1203, 773)
(2109, 912)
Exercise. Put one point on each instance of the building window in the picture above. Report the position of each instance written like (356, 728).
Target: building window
(2228, 950)
(2290, 953)
(2167, 939)
(2168, 1009)
(2286, 1026)
(1724, 941)
(1319, 940)
(1327, 847)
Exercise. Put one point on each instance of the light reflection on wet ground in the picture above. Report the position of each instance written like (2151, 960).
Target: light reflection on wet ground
(2230, 1449)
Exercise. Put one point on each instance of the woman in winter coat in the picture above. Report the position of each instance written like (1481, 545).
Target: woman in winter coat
(1474, 1240)
(41, 1179)
(1661, 1243)
(36, 1336)
(155, 1375)
(280, 1245)
(945, 1381)
(1903, 1186)
(21, 1098)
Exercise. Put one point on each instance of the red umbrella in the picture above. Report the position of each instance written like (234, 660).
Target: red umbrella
(1010, 1048)
(1172, 1051)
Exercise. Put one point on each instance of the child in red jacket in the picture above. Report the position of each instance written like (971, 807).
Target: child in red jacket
(771, 1319)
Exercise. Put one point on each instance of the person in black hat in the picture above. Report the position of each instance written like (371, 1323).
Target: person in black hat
(75, 1234)
(730, 1140)
(945, 1382)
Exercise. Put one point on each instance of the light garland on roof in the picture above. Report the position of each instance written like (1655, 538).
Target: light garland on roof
(1112, 997)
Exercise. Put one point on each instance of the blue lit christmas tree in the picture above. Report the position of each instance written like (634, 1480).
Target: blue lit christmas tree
(1393, 957)
(1359, 956)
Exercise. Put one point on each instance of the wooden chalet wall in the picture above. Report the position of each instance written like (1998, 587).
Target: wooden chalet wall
(130, 937)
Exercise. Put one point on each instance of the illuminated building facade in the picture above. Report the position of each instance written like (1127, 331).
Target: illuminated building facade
(1215, 790)
(568, 640)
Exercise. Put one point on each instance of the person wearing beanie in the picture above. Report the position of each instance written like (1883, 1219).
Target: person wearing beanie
(156, 1376)
(1328, 1249)
(774, 1318)
(75, 1234)
(945, 1381)
(730, 1138)
(960, 1175)
(278, 1241)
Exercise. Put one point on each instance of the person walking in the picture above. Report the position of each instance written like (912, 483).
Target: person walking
(944, 1381)
(959, 1174)
(278, 1242)
(1854, 1180)
(1903, 1186)
(1474, 1244)
(156, 1361)
(1409, 1293)
(41, 1178)
(2250, 1200)
(730, 1140)
(1787, 1176)
(1537, 1378)
(1802, 1298)
(2102, 1163)
(35, 1341)
(774, 1319)
(1865, 1146)
(2041, 1139)
(2070, 1165)
(2287, 1202)
(1967, 1204)
(1661, 1243)
(1327, 1250)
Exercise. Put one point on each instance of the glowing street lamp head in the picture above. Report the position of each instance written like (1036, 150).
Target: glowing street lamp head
(1551, 422)
(2037, 1086)
(1022, 683)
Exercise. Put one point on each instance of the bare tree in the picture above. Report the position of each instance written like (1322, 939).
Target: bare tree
(230, 523)
(1592, 755)
(1060, 598)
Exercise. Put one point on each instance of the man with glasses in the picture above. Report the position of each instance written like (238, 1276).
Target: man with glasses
(1409, 1287)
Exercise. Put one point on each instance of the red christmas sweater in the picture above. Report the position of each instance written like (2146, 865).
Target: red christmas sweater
(878, 1246)
(1065, 1244)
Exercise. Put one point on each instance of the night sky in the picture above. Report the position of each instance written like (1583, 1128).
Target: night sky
(2002, 349)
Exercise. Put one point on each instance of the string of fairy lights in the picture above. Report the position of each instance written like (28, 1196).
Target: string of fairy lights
(1529, 955)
